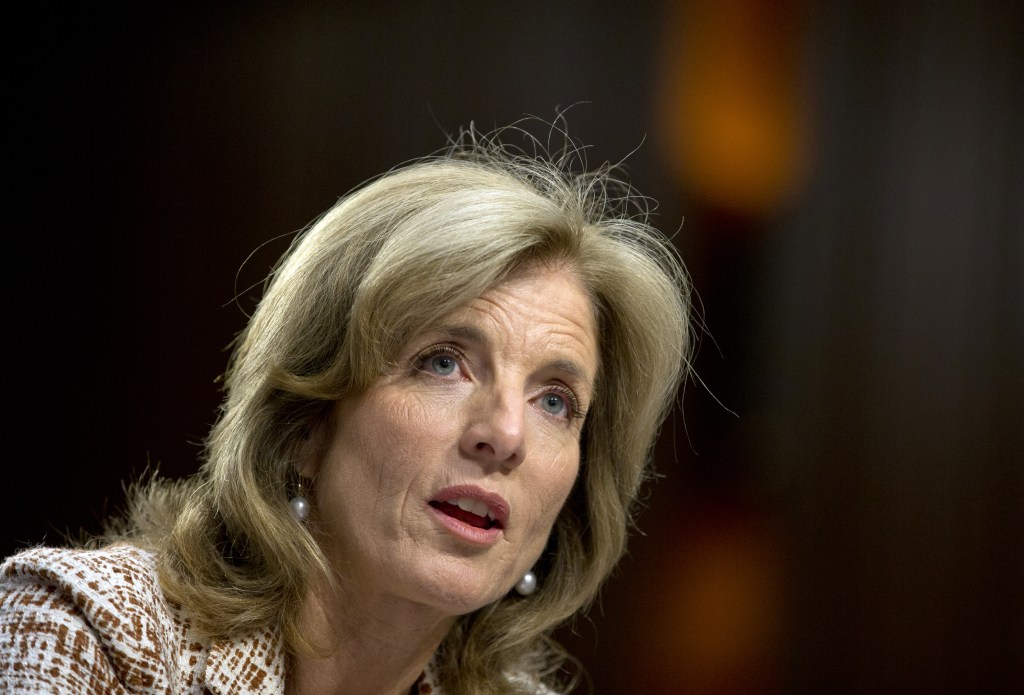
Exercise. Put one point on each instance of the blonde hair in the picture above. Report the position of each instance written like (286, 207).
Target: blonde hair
(385, 264)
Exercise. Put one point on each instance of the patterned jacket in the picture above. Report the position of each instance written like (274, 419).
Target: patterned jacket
(96, 621)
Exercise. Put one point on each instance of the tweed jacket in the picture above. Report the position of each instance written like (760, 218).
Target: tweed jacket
(96, 621)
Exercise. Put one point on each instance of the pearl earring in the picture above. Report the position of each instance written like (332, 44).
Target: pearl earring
(527, 585)
(299, 506)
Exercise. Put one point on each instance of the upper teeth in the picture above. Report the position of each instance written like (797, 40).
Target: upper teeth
(468, 504)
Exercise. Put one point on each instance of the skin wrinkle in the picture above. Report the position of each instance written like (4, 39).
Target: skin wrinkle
(417, 431)
(585, 384)
(389, 262)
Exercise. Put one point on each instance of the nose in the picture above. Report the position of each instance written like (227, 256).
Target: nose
(495, 432)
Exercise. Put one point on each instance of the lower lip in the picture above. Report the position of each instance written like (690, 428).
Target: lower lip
(463, 531)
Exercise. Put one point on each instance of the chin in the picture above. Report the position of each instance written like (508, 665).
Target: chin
(461, 592)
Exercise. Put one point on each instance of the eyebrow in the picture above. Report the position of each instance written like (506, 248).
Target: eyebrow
(469, 333)
(476, 336)
(573, 369)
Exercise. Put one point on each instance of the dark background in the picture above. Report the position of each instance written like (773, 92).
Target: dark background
(841, 506)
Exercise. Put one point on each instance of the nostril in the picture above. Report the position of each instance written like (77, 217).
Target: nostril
(493, 440)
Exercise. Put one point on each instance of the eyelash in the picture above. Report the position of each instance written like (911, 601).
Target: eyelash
(420, 360)
(572, 403)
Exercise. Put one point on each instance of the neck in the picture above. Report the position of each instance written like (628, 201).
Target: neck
(371, 643)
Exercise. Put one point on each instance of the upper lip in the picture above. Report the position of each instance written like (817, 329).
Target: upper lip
(496, 504)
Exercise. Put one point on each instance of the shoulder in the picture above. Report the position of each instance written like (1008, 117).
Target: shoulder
(116, 588)
(114, 569)
(88, 621)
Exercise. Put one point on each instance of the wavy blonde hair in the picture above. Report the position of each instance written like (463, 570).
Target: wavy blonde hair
(384, 264)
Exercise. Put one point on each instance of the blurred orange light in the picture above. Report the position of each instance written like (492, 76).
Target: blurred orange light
(731, 105)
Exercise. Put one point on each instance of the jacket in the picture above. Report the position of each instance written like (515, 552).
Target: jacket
(96, 621)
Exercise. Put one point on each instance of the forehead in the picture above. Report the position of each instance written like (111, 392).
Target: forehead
(538, 313)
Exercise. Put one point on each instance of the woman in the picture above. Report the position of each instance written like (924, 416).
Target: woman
(436, 424)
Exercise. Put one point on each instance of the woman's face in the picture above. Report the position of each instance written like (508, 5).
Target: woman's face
(441, 483)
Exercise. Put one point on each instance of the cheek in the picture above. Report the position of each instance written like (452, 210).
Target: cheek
(390, 429)
(565, 476)
(415, 430)
(556, 486)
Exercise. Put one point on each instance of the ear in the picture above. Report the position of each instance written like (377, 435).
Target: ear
(313, 447)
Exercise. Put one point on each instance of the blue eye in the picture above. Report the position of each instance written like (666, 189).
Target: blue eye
(440, 360)
(442, 364)
(553, 403)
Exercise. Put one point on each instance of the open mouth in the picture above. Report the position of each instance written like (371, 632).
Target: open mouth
(469, 511)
